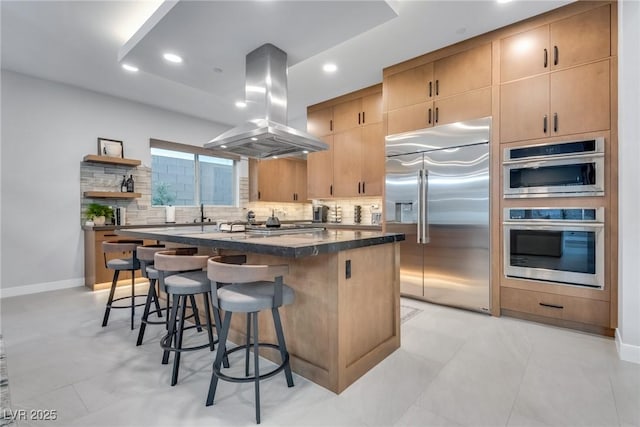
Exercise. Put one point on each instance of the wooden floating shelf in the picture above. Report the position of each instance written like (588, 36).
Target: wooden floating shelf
(111, 195)
(111, 160)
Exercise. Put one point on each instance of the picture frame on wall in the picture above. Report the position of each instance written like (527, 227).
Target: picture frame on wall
(110, 148)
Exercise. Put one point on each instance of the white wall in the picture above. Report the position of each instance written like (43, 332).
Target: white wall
(628, 333)
(47, 128)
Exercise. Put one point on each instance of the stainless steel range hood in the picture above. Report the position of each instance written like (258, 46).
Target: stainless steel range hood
(266, 133)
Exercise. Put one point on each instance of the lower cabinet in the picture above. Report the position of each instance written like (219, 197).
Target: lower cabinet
(96, 275)
(561, 307)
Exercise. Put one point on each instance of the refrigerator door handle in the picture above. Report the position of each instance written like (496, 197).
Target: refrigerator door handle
(419, 222)
(424, 197)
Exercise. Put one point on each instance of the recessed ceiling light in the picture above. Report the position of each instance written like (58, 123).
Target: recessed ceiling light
(253, 138)
(330, 68)
(172, 57)
(241, 104)
(130, 68)
(305, 151)
(223, 146)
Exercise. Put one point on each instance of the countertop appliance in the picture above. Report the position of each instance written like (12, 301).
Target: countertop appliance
(320, 213)
(437, 194)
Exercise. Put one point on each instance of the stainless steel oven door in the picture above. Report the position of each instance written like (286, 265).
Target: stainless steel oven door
(560, 177)
(566, 253)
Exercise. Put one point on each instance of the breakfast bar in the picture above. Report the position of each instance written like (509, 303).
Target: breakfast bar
(346, 315)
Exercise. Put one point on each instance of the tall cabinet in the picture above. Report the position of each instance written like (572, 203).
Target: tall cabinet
(352, 127)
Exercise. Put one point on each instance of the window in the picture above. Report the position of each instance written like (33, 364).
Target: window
(189, 178)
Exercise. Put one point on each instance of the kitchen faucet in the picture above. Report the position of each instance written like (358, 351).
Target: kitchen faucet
(202, 217)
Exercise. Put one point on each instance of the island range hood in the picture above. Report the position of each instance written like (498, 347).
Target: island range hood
(266, 133)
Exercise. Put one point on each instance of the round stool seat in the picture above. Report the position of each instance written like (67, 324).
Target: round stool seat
(152, 273)
(123, 264)
(251, 297)
(189, 283)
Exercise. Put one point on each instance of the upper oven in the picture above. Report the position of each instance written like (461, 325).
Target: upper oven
(562, 169)
(560, 245)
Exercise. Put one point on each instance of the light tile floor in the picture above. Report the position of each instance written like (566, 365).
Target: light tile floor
(454, 368)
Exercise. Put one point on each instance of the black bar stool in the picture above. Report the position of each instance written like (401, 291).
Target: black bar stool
(145, 257)
(129, 263)
(253, 288)
(181, 276)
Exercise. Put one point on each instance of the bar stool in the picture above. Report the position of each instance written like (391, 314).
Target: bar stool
(253, 288)
(145, 257)
(181, 276)
(121, 264)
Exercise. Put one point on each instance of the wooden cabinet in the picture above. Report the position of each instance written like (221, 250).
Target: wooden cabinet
(565, 43)
(469, 105)
(553, 306)
(96, 274)
(354, 164)
(570, 101)
(320, 171)
(454, 88)
(278, 180)
(320, 122)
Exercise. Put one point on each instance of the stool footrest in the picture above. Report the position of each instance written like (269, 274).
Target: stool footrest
(269, 374)
(126, 297)
(165, 343)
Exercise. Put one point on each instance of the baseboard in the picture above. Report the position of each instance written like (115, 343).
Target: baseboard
(627, 352)
(15, 291)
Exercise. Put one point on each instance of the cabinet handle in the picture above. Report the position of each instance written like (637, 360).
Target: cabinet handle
(430, 89)
(437, 88)
(429, 115)
(331, 125)
(363, 118)
(437, 108)
(331, 189)
(551, 305)
(363, 192)
(555, 122)
(359, 119)
(258, 195)
(546, 57)
(544, 124)
(359, 187)
(556, 55)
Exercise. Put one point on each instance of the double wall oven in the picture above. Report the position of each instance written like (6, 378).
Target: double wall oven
(563, 244)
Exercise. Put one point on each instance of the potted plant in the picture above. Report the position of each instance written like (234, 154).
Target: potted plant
(98, 213)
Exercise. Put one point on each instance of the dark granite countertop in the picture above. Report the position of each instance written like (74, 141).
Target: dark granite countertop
(288, 245)
(329, 225)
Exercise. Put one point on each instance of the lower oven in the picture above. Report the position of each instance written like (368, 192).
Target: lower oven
(559, 245)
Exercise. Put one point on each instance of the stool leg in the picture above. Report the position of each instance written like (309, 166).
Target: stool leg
(156, 297)
(178, 345)
(145, 313)
(166, 326)
(248, 346)
(208, 316)
(194, 309)
(172, 328)
(277, 323)
(133, 296)
(107, 310)
(222, 340)
(217, 318)
(256, 366)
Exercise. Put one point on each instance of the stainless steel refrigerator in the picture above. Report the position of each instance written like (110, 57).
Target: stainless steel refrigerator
(437, 194)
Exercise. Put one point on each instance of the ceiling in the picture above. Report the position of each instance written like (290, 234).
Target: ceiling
(83, 43)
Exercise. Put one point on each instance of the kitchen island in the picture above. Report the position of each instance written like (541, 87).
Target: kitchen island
(346, 316)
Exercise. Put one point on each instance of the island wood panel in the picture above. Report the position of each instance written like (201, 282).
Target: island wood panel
(331, 311)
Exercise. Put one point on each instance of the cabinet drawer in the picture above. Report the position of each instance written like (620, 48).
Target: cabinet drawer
(583, 310)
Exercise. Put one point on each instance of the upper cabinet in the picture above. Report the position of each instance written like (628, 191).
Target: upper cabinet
(554, 79)
(354, 164)
(576, 40)
(566, 102)
(454, 88)
(320, 121)
(278, 180)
